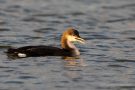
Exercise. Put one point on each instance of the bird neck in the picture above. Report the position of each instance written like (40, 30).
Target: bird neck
(65, 44)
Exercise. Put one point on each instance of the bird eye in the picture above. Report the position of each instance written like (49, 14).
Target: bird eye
(73, 35)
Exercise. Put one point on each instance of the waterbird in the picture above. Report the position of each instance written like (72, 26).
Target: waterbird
(69, 36)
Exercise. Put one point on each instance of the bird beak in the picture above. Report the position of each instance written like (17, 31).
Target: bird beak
(81, 40)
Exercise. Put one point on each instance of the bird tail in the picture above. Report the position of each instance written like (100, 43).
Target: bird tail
(11, 50)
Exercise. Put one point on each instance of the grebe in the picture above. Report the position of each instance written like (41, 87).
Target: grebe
(68, 48)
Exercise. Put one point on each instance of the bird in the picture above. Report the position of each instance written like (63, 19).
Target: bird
(69, 36)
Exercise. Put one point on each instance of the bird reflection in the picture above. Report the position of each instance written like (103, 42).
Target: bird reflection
(74, 61)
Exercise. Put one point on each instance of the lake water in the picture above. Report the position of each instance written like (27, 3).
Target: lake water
(107, 59)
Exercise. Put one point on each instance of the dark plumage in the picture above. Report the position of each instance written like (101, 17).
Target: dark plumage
(39, 51)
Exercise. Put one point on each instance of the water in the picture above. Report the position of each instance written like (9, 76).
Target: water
(107, 60)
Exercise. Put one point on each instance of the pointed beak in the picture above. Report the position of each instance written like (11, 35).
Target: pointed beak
(81, 40)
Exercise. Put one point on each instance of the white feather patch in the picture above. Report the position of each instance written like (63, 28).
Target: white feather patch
(21, 55)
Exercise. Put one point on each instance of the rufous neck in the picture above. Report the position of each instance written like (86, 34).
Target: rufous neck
(65, 44)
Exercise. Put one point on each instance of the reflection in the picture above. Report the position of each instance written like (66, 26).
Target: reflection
(74, 61)
(73, 68)
(12, 57)
(75, 76)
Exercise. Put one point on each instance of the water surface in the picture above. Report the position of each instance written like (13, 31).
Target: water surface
(107, 60)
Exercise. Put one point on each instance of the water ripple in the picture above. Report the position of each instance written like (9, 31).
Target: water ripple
(26, 77)
(124, 60)
(14, 82)
(109, 52)
(4, 29)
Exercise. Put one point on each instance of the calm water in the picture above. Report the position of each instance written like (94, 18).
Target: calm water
(107, 60)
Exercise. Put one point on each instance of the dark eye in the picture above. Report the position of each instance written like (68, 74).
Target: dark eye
(73, 35)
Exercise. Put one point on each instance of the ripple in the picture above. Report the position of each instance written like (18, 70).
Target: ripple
(64, 81)
(55, 22)
(8, 70)
(128, 32)
(4, 46)
(2, 22)
(4, 29)
(60, 86)
(120, 20)
(14, 82)
(120, 6)
(105, 27)
(77, 13)
(126, 87)
(44, 30)
(46, 15)
(26, 64)
(103, 46)
(7, 67)
(13, 8)
(33, 19)
(132, 38)
(97, 36)
(2, 76)
(124, 60)
(27, 77)
(117, 66)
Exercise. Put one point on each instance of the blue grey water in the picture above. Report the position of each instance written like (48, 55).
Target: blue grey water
(107, 59)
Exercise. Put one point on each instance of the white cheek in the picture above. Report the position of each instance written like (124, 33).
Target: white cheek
(71, 38)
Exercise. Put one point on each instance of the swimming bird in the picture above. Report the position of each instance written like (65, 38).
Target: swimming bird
(67, 47)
